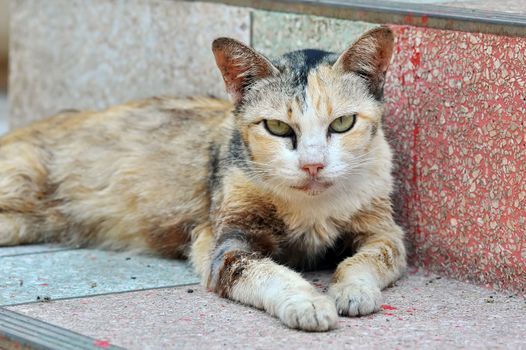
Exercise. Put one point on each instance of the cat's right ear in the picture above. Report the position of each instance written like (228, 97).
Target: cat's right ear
(369, 57)
(240, 66)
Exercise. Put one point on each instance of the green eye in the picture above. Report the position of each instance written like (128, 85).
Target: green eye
(278, 128)
(343, 124)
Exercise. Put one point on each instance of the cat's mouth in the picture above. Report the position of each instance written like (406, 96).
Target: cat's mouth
(313, 187)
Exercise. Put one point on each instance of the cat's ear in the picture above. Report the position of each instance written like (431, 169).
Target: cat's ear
(240, 66)
(369, 57)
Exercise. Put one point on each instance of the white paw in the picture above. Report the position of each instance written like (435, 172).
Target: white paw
(308, 312)
(356, 298)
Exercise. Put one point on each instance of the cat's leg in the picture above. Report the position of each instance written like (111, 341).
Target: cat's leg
(379, 261)
(203, 243)
(240, 271)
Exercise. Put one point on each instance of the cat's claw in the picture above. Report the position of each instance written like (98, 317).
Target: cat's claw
(309, 313)
(356, 298)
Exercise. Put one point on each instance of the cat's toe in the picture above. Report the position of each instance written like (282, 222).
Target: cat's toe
(309, 313)
(356, 298)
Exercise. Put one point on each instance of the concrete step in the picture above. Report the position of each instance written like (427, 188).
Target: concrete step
(422, 311)
(94, 304)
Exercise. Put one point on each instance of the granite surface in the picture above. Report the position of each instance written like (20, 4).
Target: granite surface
(73, 54)
(456, 115)
(422, 311)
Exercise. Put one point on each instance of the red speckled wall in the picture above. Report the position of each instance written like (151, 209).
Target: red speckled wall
(456, 118)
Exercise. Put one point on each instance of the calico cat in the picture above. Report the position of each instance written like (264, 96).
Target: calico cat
(294, 173)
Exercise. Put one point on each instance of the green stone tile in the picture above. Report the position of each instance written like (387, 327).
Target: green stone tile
(84, 272)
(274, 34)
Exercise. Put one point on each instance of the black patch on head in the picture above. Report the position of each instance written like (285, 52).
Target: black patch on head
(302, 62)
(295, 67)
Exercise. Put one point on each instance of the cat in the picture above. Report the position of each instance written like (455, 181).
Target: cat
(294, 173)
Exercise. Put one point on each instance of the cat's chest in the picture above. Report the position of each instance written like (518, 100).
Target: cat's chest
(309, 243)
(311, 236)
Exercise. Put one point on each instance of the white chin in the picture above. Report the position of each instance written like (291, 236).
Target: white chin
(312, 188)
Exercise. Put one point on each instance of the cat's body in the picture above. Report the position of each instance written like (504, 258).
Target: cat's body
(240, 196)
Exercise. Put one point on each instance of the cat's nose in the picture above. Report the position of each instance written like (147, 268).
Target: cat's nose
(312, 169)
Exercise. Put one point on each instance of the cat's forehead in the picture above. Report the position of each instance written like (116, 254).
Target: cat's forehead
(307, 86)
(296, 65)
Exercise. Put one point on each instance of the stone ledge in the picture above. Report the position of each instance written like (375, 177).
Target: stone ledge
(405, 13)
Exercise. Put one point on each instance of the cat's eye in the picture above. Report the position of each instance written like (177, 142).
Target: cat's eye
(278, 128)
(343, 124)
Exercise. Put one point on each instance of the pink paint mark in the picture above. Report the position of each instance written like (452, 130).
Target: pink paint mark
(413, 270)
(415, 59)
(408, 19)
(188, 319)
(388, 307)
(102, 343)
(388, 314)
(44, 284)
(424, 20)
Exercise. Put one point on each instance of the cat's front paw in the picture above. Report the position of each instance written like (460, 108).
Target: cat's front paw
(315, 313)
(356, 298)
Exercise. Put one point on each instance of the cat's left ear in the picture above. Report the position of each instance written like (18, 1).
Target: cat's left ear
(240, 66)
(369, 57)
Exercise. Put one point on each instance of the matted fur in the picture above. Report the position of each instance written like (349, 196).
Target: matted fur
(205, 179)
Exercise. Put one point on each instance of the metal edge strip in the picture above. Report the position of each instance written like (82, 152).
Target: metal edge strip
(388, 12)
(18, 331)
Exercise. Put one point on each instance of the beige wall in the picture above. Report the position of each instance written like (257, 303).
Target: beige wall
(78, 54)
(4, 25)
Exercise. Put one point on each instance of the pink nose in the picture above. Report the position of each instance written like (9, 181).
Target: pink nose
(312, 169)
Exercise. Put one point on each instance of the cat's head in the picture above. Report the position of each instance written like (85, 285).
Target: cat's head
(308, 120)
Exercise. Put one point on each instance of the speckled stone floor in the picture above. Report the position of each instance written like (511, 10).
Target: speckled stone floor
(421, 311)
